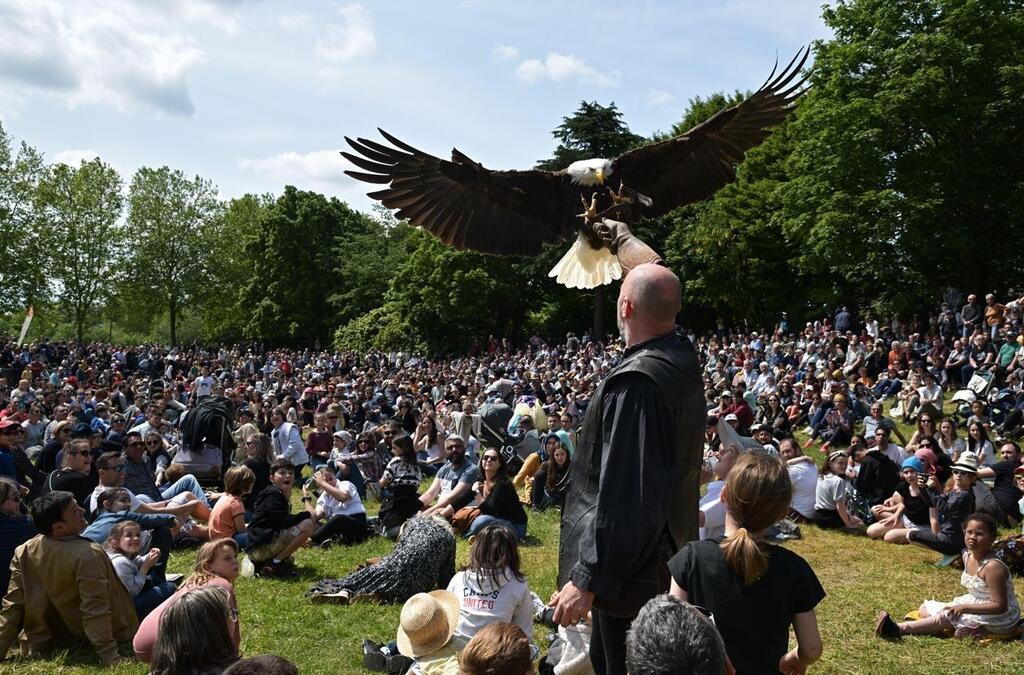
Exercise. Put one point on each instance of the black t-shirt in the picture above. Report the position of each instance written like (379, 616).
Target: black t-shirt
(915, 508)
(753, 620)
(1004, 489)
(69, 480)
(262, 470)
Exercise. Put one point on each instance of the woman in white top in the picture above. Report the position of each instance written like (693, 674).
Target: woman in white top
(428, 442)
(949, 440)
(978, 443)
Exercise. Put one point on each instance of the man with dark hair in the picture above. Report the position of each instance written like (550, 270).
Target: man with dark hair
(1004, 488)
(141, 479)
(635, 477)
(63, 585)
(111, 469)
(670, 636)
(154, 421)
(75, 474)
(453, 484)
(878, 475)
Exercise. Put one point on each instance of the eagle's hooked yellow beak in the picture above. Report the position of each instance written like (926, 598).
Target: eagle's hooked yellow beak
(600, 176)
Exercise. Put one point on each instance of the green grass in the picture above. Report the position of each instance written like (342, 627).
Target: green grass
(860, 576)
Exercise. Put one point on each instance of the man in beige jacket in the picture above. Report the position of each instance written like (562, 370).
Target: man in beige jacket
(64, 586)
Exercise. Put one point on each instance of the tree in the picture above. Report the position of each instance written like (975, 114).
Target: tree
(906, 172)
(79, 209)
(440, 300)
(222, 306)
(23, 259)
(294, 258)
(169, 243)
(592, 131)
(731, 252)
(367, 262)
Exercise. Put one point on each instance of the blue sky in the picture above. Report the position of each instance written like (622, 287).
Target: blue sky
(256, 94)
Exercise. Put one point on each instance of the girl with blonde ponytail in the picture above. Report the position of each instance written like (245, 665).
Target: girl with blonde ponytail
(755, 590)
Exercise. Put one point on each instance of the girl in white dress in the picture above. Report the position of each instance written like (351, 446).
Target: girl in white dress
(988, 607)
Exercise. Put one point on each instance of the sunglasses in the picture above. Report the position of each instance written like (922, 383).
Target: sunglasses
(135, 444)
(958, 472)
(153, 442)
(454, 447)
(118, 468)
(489, 458)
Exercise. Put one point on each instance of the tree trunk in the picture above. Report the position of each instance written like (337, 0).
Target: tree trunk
(174, 323)
(79, 325)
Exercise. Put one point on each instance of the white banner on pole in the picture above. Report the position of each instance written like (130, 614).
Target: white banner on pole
(25, 325)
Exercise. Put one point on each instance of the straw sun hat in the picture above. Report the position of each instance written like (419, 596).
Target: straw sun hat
(427, 623)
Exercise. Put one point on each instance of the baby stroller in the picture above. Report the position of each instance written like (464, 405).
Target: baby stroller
(980, 387)
(494, 418)
(206, 442)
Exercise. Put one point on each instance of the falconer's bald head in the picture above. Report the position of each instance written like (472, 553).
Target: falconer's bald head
(649, 300)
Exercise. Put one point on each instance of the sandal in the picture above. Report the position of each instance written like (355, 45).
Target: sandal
(886, 628)
(342, 597)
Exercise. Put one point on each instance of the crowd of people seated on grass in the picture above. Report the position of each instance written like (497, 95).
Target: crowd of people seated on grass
(122, 453)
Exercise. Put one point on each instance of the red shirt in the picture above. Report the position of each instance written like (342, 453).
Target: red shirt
(743, 413)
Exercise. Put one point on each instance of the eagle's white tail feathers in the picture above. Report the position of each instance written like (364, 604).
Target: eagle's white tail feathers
(583, 266)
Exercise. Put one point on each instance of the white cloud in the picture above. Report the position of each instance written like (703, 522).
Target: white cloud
(319, 166)
(117, 52)
(73, 157)
(505, 53)
(560, 67)
(351, 38)
(655, 98)
(221, 14)
(295, 22)
(319, 170)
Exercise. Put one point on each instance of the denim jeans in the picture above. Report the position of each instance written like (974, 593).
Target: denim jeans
(483, 521)
(186, 483)
(152, 596)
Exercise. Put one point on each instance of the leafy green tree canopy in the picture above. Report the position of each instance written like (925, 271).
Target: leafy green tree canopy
(80, 209)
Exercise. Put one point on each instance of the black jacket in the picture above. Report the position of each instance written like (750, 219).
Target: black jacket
(634, 480)
(877, 478)
(271, 515)
(503, 502)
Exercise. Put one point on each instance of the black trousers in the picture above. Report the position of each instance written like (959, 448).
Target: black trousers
(608, 643)
(943, 543)
(352, 528)
(161, 539)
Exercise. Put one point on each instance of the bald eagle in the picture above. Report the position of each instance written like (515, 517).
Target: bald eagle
(519, 212)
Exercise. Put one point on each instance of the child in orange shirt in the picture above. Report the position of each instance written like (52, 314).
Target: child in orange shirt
(227, 520)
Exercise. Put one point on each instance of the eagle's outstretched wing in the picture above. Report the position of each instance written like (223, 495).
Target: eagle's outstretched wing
(695, 165)
(465, 205)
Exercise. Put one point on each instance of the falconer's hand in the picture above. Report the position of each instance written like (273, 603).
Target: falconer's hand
(571, 604)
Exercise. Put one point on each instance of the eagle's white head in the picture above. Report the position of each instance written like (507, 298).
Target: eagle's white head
(590, 171)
